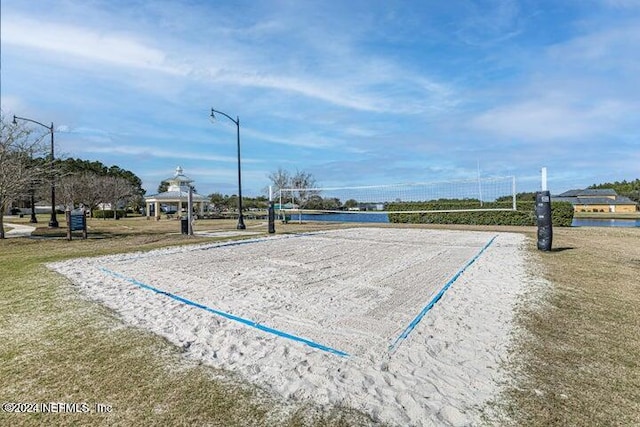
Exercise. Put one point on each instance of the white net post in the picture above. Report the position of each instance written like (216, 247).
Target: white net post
(513, 192)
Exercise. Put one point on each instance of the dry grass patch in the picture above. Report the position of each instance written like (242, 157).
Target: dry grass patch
(578, 360)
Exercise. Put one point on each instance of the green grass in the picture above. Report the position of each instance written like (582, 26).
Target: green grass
(577, 358)
(608, 215)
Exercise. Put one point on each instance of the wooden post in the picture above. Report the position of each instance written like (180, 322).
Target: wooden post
(67, 216)
(84, 224)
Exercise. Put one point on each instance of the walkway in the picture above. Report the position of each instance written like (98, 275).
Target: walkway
(19, 230)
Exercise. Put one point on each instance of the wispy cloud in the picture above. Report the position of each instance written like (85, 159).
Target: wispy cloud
(580, 90)
(165, 153)
(368, 86)
(84, 43)
(489, 24)
(547, 120)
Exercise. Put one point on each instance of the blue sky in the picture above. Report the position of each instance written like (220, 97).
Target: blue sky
(354, 92)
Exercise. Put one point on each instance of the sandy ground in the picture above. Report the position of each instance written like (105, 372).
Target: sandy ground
(318, 317)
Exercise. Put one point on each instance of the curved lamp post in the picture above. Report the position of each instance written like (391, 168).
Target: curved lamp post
(241, 225)
(53, 222)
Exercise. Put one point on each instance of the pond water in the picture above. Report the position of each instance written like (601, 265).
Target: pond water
(596, 222)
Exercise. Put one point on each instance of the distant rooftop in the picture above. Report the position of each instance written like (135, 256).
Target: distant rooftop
(178, 188)
(589, 192)
(590, 196)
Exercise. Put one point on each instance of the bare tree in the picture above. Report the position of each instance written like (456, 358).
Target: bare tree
(17, 170)
(303, 182)
(280, 179)
(81, 189)
(115, 190)
(66, 190)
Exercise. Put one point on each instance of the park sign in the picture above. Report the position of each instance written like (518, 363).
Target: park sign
(76, 221)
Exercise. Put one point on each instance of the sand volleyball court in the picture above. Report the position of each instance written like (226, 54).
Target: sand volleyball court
(339, 317)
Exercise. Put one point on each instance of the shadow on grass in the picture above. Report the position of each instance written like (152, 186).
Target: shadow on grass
(562, 249)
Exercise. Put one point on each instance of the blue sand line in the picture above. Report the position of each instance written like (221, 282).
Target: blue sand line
(229, 316)
(436, 298)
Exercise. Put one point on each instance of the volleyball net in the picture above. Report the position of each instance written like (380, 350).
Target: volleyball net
(485, 194)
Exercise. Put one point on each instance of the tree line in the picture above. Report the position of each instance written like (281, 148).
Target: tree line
(26, 172)
(630, 189)
(89, 184)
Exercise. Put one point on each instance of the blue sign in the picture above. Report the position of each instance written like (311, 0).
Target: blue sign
(77, 222)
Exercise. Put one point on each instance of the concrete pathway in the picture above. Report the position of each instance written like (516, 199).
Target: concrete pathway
(18, 230)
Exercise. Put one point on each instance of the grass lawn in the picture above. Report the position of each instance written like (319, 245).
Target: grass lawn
(607, 215)
(577, 353)
(577, 357)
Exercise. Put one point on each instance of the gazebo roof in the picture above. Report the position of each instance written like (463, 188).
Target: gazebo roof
(179, 177)
(175, 196)
(178, 190)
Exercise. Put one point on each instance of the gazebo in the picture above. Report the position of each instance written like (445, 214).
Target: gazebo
(176, 195)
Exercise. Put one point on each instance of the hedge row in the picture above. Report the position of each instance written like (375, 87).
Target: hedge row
(108, 213)
(561, 213)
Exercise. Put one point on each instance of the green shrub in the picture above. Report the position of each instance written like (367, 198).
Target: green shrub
(108, 214)
(561, 213)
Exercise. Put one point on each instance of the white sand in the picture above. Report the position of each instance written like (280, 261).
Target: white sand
(351, 290)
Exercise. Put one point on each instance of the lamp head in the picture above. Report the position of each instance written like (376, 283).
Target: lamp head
(213, 116)
(15, 122)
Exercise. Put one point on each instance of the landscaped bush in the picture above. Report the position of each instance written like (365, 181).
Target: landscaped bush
(561, 213)
(108, 214)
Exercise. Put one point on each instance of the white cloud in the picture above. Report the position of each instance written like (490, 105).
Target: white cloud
(372, 84)
(601, 49)
(116, 49)
(362, 91)
(12, 103)
(308, 140)
(163, 153)
(549, 120)
(583, 89)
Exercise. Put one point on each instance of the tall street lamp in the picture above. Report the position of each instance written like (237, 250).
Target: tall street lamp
(33, 219)
(241, 225)
(53, 222)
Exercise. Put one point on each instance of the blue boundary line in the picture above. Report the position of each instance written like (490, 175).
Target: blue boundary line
(229, 316)
(405, 333)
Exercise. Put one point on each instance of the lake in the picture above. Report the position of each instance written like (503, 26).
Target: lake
(597, 222)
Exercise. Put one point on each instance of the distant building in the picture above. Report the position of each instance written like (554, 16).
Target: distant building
(597, 200)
